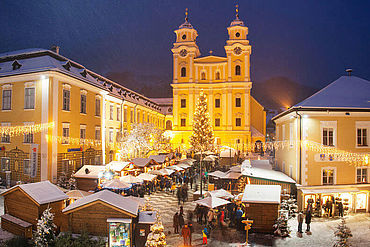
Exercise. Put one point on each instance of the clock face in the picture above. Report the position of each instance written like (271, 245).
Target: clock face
(237, 50)
(237, 34)
(183, 52)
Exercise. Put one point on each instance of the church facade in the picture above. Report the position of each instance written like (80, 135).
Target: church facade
(238, 120)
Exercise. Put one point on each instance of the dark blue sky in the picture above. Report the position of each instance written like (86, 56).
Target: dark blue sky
(310, 42)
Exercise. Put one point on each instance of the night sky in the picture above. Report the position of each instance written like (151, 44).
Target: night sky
(309, 42)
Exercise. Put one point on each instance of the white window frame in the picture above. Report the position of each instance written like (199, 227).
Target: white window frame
(83, 103)
(291, 134)
(334, 174)
(28, 138)
(290, 171)
(119, 113)
(97, 130)
(125, 115)
(367, 174)
(66, 101)
(132, 116)
(277, 132)
(83, 131)
(362, 125)
(29, 101)
(7, 106)
(328, 124)
(7, 167)
(65, 139)
(97, 105)
(219, 122)
(111, 111)
(110, 135)
(27, 170)
(5, 138)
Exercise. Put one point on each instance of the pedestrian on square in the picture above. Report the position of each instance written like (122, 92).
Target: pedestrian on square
(181, 210)
(205, 235)
(330, 207)
(210, 217)
(238, 216)
(181, 220)
(191, 182)
(173, 187)
(176, 222)
(185, 232)
(300, 218)
(308, 220)
(340, 209)
(178, 194)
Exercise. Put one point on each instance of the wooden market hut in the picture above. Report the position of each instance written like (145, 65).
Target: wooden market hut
(262, 204)
(145, 165)
(146, 220)
(96, 212)
(87, 177)
(25, 203)
(160, 158)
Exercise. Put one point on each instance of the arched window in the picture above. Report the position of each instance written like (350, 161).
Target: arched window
(203, 76)
(237, 70)
(183, 72)
(217, 75)
(168, 125)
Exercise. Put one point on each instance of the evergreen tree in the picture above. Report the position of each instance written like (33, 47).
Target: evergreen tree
(202, 138)
(343, 233)
(45, 235)
(281, 226)
(156, 237)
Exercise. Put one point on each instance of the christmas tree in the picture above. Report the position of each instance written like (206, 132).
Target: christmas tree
(281, 226)
(156, 238)
(343, 233)
(202, 138)
(45, 235)
(290, 205)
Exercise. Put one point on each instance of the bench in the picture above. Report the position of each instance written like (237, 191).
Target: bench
(16, 226)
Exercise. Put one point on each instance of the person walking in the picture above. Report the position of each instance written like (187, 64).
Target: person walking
(205, 235)
(340, 209)
(300, 218)
(176, 222)
(238, 218)
(181, 220)
(308, 220)
(178, 194)
(185, 232)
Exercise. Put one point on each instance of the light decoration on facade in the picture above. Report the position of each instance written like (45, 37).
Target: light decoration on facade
(25, 129)
(73, 141)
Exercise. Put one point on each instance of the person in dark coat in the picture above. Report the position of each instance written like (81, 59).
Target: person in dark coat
(340, 209)
(178, 194)
(181, 220)
(300, 218)
(308, 220)
(176, 222)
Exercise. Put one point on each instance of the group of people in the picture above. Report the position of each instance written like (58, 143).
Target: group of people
(182, 228)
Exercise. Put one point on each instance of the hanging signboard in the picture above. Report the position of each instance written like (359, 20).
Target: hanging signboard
(34, 159)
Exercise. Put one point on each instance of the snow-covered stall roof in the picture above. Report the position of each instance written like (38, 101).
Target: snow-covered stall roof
(117, 166)
(111, 198)
(257, 193)
(91, 172)
(147, 217)
(41, 60)
(268, 174)
(143, 162)
(41, 192)
(160, 158)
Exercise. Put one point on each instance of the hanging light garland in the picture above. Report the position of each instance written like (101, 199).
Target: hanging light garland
(25, 129)
(73, 141)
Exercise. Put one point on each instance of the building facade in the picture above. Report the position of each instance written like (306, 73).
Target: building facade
(238, 119)
(322, 143)
(84, 113)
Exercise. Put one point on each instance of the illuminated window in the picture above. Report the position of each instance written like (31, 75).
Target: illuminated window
(238, 121)
(238, 102)
(131, 116)
(237, 70)
(217, 122)
(183, 72)
(5, 164)
(29, 98)
(203, 76)
(66, 100)
(217, 103)
(5, 138)
(66, 166)
(111, 135)
(327, 176)
(97, 133)
(28, 138)
(82, 131)
(83, 103)
(361, 175)
(362, 137)
(183, 122)
(328, 136)
(183, 103)
(65, 139)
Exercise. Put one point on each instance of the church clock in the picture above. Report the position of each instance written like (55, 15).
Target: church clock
(183, 52)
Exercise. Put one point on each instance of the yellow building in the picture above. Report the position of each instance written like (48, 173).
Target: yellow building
(89, 113)
(333, 127)
(238, 119)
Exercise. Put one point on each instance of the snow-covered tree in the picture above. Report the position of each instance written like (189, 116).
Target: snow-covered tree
(45, 234)
(63, 180)
(343, 233)
(281, 226)
(156, 237)
(290, 205)
(202, 138)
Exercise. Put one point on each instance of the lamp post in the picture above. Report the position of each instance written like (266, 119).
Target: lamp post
(248, 224)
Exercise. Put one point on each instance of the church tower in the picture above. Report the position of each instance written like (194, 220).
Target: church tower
(238, 51)
(184, 51)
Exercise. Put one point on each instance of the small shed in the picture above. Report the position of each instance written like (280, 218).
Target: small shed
(87, 177)
(262, 204)
(145, 164)
(104, 213)
(25, 203)
(146, 220)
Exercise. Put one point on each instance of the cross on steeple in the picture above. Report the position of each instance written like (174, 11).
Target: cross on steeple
(237, 11)
(186, 15)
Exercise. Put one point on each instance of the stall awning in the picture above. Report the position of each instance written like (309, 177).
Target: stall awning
(329, 191)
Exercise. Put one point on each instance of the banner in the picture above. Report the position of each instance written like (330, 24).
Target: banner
(34, 160)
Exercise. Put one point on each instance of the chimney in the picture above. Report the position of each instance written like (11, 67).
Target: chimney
(349, 71)
(55, 49)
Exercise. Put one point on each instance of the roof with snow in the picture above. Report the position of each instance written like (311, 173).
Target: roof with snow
(42, 60)
(257, 193)
(118, 201)
(160, 158)
(89, 171)
(41, 192)
(268, 174)
(147, 217)
(143, 162)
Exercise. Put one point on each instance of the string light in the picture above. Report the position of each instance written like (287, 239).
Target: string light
(25, 129)
(73, 141)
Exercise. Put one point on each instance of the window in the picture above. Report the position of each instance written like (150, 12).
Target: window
(283, 134)
(111, 112)
(291, 135)
(110, 135)
(97, 133)
(119, 113)
(183, 72)
(65, 139)
(327, 176)
(237, 70)
(217, 122)
(183, 122)
(217, 103)
(66, 99)
(217, 75)
(362, 137)
(138, 117)
(26, 167)
(132, 116)
(361, 175)
(83, 132)
(124, 115)
(168, 125)
(5, 164)
(5, 138)
(83, 103)
(29, 98)
(28, 138)
(183, 103)
(238, 102)
(328, 136)
(238, 121)
(66, 166)
(7, 99)
(97, 107)
(203, 76)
